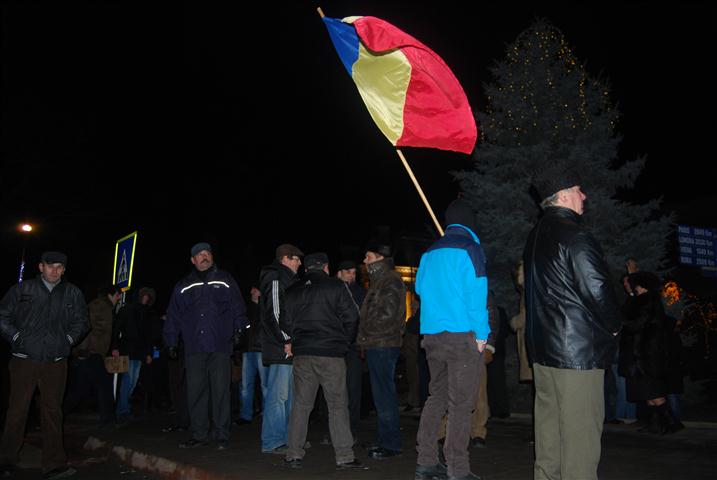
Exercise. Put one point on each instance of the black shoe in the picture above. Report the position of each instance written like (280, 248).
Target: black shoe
(380, 453)
(613, 421)
(242, 421)
(59, 472)
(174, 428)
(280, 450)
(478, 442)
(433, 472)
(468, 476)
(193, 443)
(7, 470)
(352, 465)
(293, 462)
(370, 445)
(222, 444)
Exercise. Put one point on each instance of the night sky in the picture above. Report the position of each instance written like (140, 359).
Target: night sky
(238, 124)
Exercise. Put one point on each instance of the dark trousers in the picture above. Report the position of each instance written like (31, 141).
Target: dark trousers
(610, 395)
(381, 369)
(208, 379)
(50, 378)
(354, 374)
(178, 390)
(453, 359)
(329, 372)
(497, 389)
(89, 375)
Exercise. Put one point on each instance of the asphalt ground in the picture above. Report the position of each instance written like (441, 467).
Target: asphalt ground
(145, 450)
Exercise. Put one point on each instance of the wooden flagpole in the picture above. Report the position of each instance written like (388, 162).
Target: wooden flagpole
(420, 191)
(410, 173)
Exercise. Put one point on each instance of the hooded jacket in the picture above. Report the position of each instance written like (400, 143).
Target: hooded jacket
(453, 285)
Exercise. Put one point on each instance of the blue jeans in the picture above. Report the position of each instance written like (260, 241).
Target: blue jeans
(277, 407)
(623, 408)
(674, 400)
(128, 382)
(251, 367)
(381, 370)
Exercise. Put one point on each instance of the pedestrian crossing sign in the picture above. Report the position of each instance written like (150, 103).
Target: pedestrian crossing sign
(124, 261)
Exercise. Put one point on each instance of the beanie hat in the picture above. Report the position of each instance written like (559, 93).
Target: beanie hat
(199, 247)
(460, 212)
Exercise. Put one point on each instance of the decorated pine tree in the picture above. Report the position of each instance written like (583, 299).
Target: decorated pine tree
(545, 114)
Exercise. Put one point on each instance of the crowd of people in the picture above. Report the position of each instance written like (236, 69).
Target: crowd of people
(306, 328)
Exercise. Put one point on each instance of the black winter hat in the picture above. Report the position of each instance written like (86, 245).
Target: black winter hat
(380, 248)
(552, 180)
(346, 265)
(316, 260)
(460, 212)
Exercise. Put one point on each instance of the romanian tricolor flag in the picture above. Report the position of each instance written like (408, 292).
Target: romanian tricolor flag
(412, 95)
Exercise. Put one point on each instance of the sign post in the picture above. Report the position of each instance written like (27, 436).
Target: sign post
(122, 275)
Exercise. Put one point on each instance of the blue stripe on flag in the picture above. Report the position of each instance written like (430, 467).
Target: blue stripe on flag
(345, 41)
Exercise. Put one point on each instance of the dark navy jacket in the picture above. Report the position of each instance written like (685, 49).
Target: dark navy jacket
(206, 312)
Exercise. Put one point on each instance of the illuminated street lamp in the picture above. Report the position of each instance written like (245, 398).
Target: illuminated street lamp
(25, 228)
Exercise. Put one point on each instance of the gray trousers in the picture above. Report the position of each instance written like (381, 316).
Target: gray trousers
(569, 413)
(454, 362)
(208, 379)
(329, 372)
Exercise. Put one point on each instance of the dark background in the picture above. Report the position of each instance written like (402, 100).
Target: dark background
(237, 124)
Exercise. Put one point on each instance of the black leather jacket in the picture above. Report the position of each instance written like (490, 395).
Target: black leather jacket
(320, 315)
(40, 324)
(571, 308)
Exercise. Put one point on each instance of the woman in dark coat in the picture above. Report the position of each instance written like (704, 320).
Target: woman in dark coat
(644, 351)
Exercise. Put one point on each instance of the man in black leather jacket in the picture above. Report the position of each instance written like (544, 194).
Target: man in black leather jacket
(42, 318)
(321, 319)
(572, 317)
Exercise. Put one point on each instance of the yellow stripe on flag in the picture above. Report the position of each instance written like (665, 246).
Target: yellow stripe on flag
(382, 81)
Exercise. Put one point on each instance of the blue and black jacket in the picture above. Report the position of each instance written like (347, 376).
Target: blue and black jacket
(453, 285)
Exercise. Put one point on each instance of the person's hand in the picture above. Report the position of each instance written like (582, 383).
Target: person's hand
(173, 353)
(481, 345)
(238, 338)
(287, 350)
(115, 353)
(148, 360)
(18, 343)
(487, 356)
